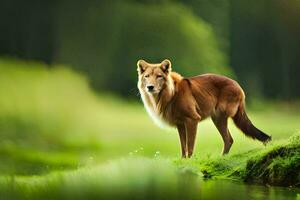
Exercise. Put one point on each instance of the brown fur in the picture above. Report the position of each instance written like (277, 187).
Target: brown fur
(183, 102)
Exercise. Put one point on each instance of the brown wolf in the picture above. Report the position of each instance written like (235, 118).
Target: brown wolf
(183, 102)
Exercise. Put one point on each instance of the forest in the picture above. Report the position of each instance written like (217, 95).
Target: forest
(256, 42)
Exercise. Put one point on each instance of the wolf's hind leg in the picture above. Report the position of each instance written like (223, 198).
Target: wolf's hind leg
(220, 122)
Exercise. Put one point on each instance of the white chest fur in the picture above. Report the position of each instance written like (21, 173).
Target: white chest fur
(151, 107)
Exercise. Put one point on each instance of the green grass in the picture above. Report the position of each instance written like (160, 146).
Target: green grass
(58, 136)
(120, 179)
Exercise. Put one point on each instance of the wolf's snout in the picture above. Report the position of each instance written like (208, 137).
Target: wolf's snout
(150, 88)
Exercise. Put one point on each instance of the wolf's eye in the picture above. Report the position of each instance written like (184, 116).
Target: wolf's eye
(159, 76)
(147, 76)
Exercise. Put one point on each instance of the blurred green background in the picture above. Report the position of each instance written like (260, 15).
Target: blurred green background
(257, 42)
(68, 96)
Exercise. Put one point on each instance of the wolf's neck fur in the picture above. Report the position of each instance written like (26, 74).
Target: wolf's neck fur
(157, 105)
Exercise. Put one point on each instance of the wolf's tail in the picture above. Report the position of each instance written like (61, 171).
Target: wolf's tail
(242, 121)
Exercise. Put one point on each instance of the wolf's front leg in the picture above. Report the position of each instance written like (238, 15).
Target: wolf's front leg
(183, 139)
(191, 129)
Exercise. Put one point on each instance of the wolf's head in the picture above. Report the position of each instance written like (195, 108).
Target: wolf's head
(153, 78)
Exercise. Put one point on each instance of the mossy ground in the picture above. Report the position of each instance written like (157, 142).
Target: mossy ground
(277, 164)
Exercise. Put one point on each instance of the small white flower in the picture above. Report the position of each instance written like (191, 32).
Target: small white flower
(157, 153)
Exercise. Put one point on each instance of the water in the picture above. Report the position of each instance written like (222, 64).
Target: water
(228, 190)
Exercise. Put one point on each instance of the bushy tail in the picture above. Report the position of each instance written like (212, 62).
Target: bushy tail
(242, 121)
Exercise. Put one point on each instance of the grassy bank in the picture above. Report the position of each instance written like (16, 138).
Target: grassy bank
(136, 177)
(277, 164)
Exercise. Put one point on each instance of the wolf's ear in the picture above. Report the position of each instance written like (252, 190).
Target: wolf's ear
(141, 66)
(166, 66)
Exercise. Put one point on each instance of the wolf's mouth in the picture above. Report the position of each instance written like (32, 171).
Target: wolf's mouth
(153, 91)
